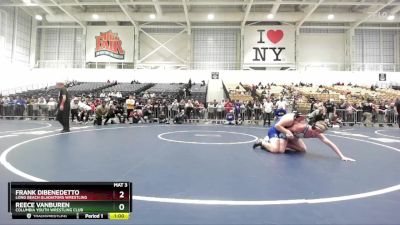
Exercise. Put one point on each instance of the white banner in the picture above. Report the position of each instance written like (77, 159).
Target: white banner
(269, 45)
(109, 44)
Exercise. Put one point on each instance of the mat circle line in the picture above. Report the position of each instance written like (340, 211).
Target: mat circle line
(11, 168)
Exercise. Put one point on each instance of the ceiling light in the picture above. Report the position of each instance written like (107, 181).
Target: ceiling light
(270, 16)
(391, 17)
(152, 16)
(95, 16)
(39, 17)
(331, 16)
(27, 1)
(210, 16)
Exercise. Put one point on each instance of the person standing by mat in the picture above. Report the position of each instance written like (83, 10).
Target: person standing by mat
(63, 107)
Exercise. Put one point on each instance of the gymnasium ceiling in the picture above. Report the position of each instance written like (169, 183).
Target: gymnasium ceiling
(190, 13)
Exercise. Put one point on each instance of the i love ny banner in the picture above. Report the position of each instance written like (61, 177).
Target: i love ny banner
(269, 45)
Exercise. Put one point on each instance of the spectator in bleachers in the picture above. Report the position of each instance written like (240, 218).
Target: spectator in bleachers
(279, 112)
(382, 110)
(181, 105)
(202, 110)
(397, 105)
(330, 109)
(74, 109)
(42, 100)
(174, 108)
(317, 115)
(101, 111)
(2, 99)
(267, 110)
(9, 107)
(228, 106)
(367, 109)
(85, 110)
(180, 117)
(52, 106)
(312, 105)
(237, 109)
(130, 106)
(146, 95)
(230, 118)
(349, 110)
(342, 104)
(163, 107)
(220, 110)
(254, 91)
(385, 111)
(148, 111)
(212, 109)
(281, 103)
(257, 109)
(196, 110)
(42, 106)
(137, 116)
(189, 109)
(30, 103)
(20, 105)
(115, 110)
(249, 109)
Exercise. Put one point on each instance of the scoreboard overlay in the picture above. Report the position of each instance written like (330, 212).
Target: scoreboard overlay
(70, 200)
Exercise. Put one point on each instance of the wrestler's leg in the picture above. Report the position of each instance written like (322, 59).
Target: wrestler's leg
(297, 144)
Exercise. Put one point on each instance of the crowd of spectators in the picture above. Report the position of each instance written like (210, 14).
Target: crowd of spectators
(147, 107)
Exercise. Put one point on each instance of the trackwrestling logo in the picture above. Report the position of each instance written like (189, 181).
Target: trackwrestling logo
(109, 44)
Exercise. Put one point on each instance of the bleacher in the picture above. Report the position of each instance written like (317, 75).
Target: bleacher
(51, 91)
(166, 90)
(274, 90)
(198, 92)
(89, 87)
(316, 92)
(128, 88)
(389, 93)
(237, 92)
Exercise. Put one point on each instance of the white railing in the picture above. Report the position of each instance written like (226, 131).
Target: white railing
(301, 66)
(388, 67)
(20, 89)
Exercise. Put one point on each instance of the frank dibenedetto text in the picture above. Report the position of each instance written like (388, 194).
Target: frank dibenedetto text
(49, 195)
(47, 192)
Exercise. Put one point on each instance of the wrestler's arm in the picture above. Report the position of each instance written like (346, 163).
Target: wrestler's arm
(286, 121)
(328, 142)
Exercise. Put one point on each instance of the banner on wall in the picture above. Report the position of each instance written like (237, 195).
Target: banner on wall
(109, 44)
(269, 45)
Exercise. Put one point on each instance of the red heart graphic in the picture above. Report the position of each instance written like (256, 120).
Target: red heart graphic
(275, 36)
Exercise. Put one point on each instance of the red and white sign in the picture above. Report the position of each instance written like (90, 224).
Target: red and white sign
(269, 45)
(109, 44)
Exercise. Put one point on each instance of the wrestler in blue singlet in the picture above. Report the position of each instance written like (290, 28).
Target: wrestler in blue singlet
(275, 133)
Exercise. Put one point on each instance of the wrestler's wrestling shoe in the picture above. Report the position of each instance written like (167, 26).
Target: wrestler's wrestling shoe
(258, 143)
